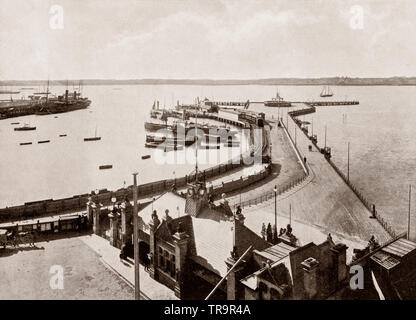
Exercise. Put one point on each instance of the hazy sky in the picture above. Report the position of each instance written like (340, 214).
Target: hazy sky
(219, 39)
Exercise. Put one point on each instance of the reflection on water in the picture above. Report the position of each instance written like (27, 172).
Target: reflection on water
(380, 131)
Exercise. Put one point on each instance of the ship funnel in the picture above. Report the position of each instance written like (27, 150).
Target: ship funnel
(66, 95)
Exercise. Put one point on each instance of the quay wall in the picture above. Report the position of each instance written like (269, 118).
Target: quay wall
(78, 202)
(371, 207)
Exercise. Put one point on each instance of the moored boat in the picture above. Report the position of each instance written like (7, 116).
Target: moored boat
(278, 101)
(26, 127)
(105, 166)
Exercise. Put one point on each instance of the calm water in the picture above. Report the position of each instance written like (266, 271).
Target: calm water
(380, 131)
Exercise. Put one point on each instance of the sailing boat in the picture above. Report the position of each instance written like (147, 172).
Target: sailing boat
(326, 92)
(95, 138)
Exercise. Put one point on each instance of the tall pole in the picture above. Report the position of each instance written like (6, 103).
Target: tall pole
(325, 136)
(312, 126)
(275, 207)
(295, 135)
(408, 218)
(290, 213)
(136, 241)
(348, 163)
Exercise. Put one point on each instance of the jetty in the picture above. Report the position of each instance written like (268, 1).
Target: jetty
(322, 198)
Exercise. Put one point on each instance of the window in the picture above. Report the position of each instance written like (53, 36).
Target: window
(173, 268)
(161, 258)
(168, 263)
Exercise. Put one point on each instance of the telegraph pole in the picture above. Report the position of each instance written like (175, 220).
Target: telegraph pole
(408, 218)
(136, 240)
(295, 135)
(312, 126)
(348, 163)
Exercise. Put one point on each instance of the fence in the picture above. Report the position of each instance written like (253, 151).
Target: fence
(269, 195)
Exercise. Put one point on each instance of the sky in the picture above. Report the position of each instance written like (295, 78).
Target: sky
(206, 39)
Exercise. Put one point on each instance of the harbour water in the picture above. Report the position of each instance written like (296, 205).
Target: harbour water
(380, 131)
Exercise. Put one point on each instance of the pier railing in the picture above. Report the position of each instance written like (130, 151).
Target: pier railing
(271, 194)
(370, 207)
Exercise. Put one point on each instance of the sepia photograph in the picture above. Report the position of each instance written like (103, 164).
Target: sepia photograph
(207, 150)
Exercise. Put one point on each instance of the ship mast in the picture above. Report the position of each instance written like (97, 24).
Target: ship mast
(196, 143)
(47, 91)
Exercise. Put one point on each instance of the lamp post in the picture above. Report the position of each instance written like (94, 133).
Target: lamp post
(113, 201)
(136, 240)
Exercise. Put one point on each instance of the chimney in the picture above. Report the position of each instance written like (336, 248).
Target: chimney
(66, 95)
(75, 95)
(339, 256)
(310, 268)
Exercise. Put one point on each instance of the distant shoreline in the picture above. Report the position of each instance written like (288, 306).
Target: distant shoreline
(334, 81)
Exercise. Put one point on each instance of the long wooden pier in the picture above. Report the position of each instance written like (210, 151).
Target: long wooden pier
(329, 103)
(311, 103)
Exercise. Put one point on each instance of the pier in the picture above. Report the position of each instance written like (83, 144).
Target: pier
(328, 103)
(322, 199)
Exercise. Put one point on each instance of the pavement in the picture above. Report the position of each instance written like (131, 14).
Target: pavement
(150, 289)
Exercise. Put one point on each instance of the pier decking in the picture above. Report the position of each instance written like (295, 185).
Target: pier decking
(324, 201)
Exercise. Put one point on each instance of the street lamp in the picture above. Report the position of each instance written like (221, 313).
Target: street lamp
(113, 201)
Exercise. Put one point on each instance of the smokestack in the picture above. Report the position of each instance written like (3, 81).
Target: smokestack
(75, 95)
(66, 95)
(310, 277)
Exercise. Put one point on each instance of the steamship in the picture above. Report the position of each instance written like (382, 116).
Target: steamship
(64, 103)
(277, 102)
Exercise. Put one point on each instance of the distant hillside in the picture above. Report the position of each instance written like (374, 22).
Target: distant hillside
(336, 81)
